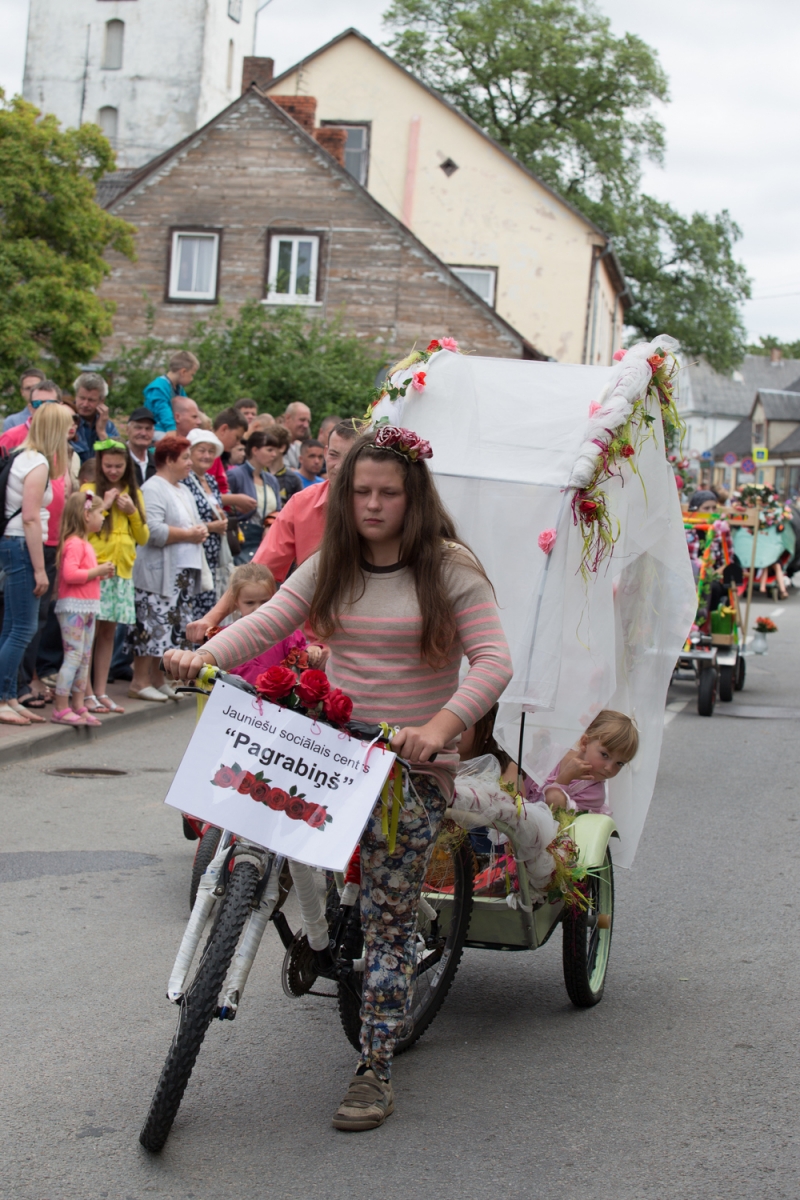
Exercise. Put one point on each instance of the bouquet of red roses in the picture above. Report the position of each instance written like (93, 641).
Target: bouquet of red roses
(308, 692)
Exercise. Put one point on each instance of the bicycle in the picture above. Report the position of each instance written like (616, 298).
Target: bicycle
(242, 890)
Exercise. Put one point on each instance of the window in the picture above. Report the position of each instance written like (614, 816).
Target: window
(194, 262)
(229, 82)
(112, 52)
(449, 167)
(108, 120)
(356, 149)
(482, 280)
(292, 275)
(235, 10)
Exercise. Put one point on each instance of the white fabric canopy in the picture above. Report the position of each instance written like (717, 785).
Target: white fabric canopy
(511, 439)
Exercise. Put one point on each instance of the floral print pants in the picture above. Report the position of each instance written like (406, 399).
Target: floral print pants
(77, 634)
(390, 888)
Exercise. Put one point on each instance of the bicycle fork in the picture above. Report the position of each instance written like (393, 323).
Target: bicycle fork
(207, 894)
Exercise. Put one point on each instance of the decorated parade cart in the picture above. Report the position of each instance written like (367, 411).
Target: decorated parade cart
(558, 479)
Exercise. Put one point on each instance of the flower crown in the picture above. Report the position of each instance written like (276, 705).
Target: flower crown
(403, 441)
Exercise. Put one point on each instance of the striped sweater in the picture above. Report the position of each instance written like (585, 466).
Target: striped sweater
(375, 654)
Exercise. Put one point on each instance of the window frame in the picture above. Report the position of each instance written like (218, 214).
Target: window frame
(109, 108)
(105, 64)
(493, 271)
(275, 235)
(365, 125)
(173, 233)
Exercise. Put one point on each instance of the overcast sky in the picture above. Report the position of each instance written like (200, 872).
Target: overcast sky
(733, 135)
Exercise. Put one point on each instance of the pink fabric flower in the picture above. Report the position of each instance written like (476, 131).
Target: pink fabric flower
(594, 407)
(547, 539)
(449, 344)
(619, 355)
(418, 381)
(403, 441)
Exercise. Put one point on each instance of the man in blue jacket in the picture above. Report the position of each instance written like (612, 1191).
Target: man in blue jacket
(91, 391)
(159, 394)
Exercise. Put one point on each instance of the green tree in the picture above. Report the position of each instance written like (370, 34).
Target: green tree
(550, 81)
(52, 238)
(766, 345)
(274, 356)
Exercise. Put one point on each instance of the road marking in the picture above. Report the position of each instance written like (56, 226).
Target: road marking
(673, 709)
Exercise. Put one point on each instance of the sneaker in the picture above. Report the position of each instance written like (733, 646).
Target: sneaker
(367, 1104)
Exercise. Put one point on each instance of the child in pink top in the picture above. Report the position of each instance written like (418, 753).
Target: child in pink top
(252, 585)
(77, 605)
(579, 780)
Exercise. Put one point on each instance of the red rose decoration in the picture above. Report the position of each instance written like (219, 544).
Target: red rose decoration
(588, 510)
(432, 346)
(278, 799)
(260, 792)
(627, 450)
(317, 817)
(655, 362)
(312, 688)
(246, 783)
(276, 683)
(338, 707)
(224, 777)
(296, 808)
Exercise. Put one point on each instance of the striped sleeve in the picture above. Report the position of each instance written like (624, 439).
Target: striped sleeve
(484, 644)
(268, 625)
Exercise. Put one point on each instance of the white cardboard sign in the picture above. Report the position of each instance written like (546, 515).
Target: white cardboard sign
(279, 779)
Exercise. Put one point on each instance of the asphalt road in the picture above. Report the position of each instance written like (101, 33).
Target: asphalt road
(682, 1083)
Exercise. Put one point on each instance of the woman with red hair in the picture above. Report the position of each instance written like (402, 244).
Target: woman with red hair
(168, 570)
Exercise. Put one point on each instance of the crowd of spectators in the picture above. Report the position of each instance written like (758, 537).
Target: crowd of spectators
(119, 540)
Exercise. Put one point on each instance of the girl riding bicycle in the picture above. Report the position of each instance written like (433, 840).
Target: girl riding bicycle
(399, 600)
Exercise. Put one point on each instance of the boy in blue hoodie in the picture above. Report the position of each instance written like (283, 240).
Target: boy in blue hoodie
(159, 394)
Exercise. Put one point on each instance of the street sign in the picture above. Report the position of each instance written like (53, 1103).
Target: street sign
(707, 456)
(748, 466)
(760, 454)
(730, 458)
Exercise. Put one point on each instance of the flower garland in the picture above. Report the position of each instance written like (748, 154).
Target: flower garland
(417, 380)
(617, 430)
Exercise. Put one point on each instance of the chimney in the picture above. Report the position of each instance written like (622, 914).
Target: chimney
(302, 108)
(332, 138)
(775, 355)
(257, 71)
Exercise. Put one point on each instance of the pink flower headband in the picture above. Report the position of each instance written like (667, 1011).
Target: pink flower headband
(89, 502)
(403, 441)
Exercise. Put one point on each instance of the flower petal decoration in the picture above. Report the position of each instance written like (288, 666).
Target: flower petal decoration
(546, 540)
(418, 381)
(403, 441)
(448, 343)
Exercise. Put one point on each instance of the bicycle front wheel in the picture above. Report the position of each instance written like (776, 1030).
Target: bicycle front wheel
(442, 924)
(199, 1005)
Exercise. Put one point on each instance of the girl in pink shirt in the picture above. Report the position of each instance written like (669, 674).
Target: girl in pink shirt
(579, 780)
(78, 604)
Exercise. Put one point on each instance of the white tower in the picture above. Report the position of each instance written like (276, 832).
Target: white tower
(148, 72)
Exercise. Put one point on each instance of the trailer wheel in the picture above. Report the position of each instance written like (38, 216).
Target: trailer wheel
(707, 692)
(726, 683)
(738, 683)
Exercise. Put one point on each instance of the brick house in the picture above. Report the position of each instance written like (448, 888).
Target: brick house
(258, 205)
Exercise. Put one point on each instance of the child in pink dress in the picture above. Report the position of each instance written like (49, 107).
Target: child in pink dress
(252, 585)
(77, 605)
(579, 780)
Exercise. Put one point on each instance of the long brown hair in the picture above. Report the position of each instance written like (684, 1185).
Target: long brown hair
(428, 543)
(127, 480)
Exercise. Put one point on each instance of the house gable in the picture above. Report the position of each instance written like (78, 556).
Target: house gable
(253, 172)
(490, 213)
